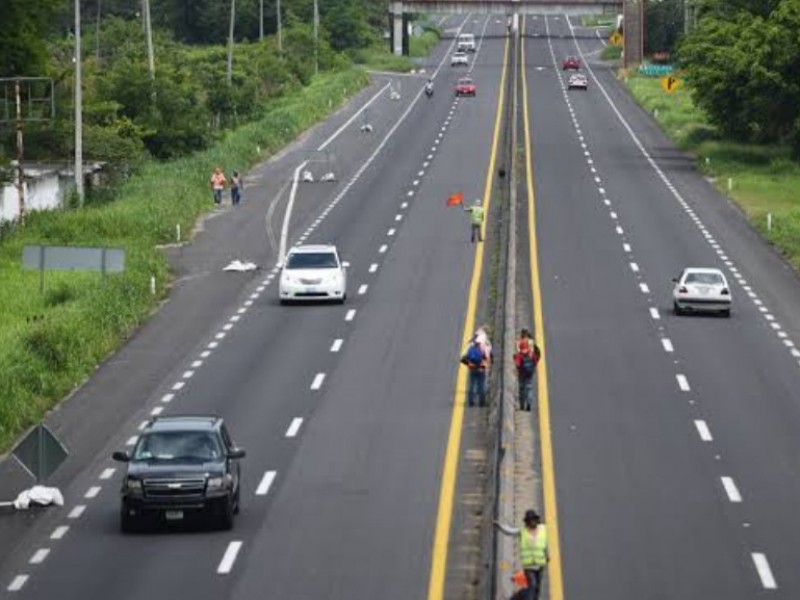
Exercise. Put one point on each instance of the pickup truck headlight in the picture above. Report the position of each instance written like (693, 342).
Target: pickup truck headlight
(216, 483)
(133, 485)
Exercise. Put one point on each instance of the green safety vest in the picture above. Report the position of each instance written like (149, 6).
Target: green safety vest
(476, 215)
(533, 549)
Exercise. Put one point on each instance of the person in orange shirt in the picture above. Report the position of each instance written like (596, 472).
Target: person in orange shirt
(218, 182)
(525, 359)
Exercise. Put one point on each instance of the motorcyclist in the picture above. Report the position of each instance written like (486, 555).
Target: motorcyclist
(429, 87)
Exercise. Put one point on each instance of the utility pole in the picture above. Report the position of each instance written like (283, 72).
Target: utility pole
(229, 75)
(261, 20)
(280, 27)
(316, 36)
(78, 107)
(20, 153)
(148, 34)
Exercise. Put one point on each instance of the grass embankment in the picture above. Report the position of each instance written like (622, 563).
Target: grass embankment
(49, 343)
(764, 179)
(381, 59)
(419, 46)
(598, 21)
(611, 53)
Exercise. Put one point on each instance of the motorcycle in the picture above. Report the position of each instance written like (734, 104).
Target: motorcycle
(429, 91)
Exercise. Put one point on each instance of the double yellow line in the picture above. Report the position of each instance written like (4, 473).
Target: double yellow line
(436, 583)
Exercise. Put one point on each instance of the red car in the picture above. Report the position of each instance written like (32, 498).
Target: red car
(571, 63)
(465, 87)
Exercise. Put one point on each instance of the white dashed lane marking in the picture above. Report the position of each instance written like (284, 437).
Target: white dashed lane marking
(178, 386)
(92, 492)
(294, 427)
(318, 379)
(166, 398)
(266, 483)
(39, 556)
(644, 288)
(703, 431)
(17, 583)
(350, 314)
(107, 473)
(59, 532)
(157, 411)
(362, 290)
(634, 267)
(383, 249)
(337, 345)
(730, 489)
(654, 313)
(373, 267)
(667, 343)
(764, 572)
(76, 512)
(131, 440)
(683, 383)
(226, 564)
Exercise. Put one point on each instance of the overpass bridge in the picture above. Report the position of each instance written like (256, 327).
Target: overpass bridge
(632, 10)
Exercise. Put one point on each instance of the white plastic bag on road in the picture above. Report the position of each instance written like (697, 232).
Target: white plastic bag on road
(241, 266)
(39, 495)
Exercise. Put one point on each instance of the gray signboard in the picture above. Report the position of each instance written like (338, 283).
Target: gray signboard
(72, 258)
(40, 453)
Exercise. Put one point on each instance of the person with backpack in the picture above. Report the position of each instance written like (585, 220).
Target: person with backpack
(478, 358)
(525, 359)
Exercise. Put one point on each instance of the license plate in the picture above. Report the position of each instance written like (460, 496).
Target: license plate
(173, 515)
(311, 290)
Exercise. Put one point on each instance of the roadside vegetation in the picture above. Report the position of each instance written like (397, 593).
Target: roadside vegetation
(738, 110)
(162, 133)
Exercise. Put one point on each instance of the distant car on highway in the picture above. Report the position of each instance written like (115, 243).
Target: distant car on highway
(459, 59)
(702, 290)
(313, 272)
(181, 466)
(578, 81)
(571, 63)
(465, 87)
(466, 42)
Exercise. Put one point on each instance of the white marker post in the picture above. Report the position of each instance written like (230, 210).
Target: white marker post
(769, 221)
(178, 233)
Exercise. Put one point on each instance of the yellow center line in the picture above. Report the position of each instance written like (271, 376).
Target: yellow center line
(444, 514)
(548, 469)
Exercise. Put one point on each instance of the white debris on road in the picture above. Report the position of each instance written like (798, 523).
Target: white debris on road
(39, 495)
(241, 267)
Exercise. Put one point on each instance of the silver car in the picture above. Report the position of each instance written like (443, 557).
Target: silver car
(702, 290)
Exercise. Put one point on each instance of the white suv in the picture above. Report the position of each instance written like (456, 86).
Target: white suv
(313, 272)
(466, 42)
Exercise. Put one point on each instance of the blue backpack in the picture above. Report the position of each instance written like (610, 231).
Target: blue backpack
(474, 354)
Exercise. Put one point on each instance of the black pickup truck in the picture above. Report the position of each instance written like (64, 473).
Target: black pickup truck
(181, 466)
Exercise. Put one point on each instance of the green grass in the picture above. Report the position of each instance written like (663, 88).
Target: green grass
(611, 52)
(422, 45)
(51, 342)
(598, 21)
(381, 59)
(765, 179)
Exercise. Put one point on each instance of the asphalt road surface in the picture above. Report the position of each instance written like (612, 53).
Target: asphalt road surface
(674, 438)
(344, 410)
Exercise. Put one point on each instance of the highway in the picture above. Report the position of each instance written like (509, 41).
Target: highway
(669, 444)
(345, 411)
(674, 440)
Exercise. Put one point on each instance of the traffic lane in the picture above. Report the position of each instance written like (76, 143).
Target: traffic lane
(364, 483)
(620, 454)
(211, 386)
(754, 410)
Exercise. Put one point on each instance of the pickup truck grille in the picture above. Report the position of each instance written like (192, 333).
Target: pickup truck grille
(174, 488)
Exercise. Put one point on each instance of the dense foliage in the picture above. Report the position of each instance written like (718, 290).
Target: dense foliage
(743, 60)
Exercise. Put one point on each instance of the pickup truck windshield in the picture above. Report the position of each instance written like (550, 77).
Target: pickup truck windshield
(178, 445)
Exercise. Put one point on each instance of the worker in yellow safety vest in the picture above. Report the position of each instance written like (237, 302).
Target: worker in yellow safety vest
(532, 550)
(476, 213)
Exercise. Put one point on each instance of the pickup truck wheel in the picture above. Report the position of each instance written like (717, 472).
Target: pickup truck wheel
(127, 523)
(225, 517)
(237, 501)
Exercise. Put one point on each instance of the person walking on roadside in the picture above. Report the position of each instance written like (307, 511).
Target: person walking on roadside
(476, 214)
(532, 550)
(237, 186)
(218, 182)
(525, 359)
(478, 358)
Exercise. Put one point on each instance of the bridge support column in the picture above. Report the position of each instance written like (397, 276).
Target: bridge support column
(398, 31)
(633, 15)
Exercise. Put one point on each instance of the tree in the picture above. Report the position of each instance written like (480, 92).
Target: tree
(664, 22)
(23, 36)
(347, 26)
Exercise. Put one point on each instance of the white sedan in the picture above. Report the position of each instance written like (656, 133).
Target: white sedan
(578, 81)
(459, 58)
(313, 272)
(702, 290)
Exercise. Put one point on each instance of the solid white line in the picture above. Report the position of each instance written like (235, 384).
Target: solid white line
(226, 564)
(59, 532)
(731, 489)
(294, 427)
(703, 430)
(76, 512)
(764, 572)
(92, 492)
(353, 118)
(373, 267)
(350, 314)
(266, 483)
(337, 345)
(107, 473)
(654, 313)
(667, 345)
(39, 556)
(17, 583)
(683, 383)
(318, 379)
(288, 214)
(362, 290)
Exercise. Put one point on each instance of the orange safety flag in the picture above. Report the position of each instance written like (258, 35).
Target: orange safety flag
(519, 579)
(456, 199)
